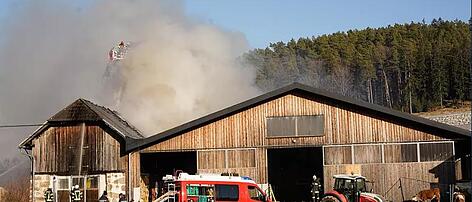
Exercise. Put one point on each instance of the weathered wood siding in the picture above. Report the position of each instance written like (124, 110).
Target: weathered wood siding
(245, 162)
(367, 154)
(415, 177)
(135, 169)
(132, 171)
(338, 155)
(57, 151)
(247, 129)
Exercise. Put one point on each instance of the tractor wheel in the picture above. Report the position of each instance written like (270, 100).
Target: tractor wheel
(330, 198)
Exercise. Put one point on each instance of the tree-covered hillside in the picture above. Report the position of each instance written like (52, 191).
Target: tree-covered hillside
(411, 67)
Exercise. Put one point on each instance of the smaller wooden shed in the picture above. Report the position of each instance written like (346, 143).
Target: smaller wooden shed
(83, 144)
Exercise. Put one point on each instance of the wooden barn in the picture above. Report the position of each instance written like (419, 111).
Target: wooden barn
(83, 144)
(283, 138)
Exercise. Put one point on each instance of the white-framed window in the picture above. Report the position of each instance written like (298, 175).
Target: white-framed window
(61, 184)
(403, 152)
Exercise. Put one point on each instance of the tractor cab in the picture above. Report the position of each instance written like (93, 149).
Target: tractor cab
(350, 185)
(351, 188)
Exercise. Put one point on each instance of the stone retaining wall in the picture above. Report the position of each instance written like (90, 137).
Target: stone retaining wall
(456, 119)
(41, 184)
(116, 184)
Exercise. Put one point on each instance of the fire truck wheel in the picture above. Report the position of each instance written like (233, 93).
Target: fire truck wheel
(329, 198)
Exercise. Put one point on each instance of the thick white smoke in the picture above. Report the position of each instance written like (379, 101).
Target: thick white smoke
(178, 69)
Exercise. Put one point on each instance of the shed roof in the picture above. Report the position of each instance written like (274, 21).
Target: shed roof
(417, 122)
(83, 110)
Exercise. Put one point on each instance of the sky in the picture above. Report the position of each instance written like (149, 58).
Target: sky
(266, 21)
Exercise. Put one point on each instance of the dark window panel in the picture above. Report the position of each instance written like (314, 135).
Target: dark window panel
(280, 126)
(227, 192)
(397, 153)
(310, 125)
(409, 152)
(435, 151)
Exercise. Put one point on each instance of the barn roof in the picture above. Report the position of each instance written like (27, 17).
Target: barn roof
(308, 92)
(83, 110)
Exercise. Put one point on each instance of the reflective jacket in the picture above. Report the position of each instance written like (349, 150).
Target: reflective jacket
(48, 196)
(76, 195)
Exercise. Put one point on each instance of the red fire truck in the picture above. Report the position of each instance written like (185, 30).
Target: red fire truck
(183, 187)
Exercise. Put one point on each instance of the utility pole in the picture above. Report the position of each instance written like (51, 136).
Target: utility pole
(470, 81)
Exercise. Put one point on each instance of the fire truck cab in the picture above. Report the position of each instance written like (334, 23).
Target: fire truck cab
(210, 188)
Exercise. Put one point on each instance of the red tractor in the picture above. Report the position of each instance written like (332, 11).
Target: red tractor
(350, 188)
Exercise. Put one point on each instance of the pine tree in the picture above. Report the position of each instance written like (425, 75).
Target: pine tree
(410, 67)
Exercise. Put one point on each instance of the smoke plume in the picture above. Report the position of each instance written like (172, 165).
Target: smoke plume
(177, 69)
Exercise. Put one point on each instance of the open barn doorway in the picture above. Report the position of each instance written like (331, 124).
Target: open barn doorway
(290, 171)
(156, 165)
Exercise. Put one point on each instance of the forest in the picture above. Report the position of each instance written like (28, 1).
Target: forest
(410, 67)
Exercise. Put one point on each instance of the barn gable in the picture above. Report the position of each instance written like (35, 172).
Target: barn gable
(84, 111)
(296, 95)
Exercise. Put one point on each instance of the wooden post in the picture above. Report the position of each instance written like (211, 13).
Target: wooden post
(81, 151)
(470, 94)
(401, 190)
(32, 176)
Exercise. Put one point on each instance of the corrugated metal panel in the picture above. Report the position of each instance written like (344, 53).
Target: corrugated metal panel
(295, 126)
(310, 125)
(281, 126)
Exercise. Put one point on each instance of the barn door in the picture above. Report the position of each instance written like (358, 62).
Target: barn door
(291, 170)
(63, 189)
(91, 189)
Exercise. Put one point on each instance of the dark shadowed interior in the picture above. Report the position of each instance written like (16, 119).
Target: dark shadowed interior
(291, 172)
(154, 166)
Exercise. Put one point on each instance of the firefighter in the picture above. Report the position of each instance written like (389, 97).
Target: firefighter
(76, 194)
(122, 198)
(316, 189)
(104, 197)
(48, 195)
(210, 195)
